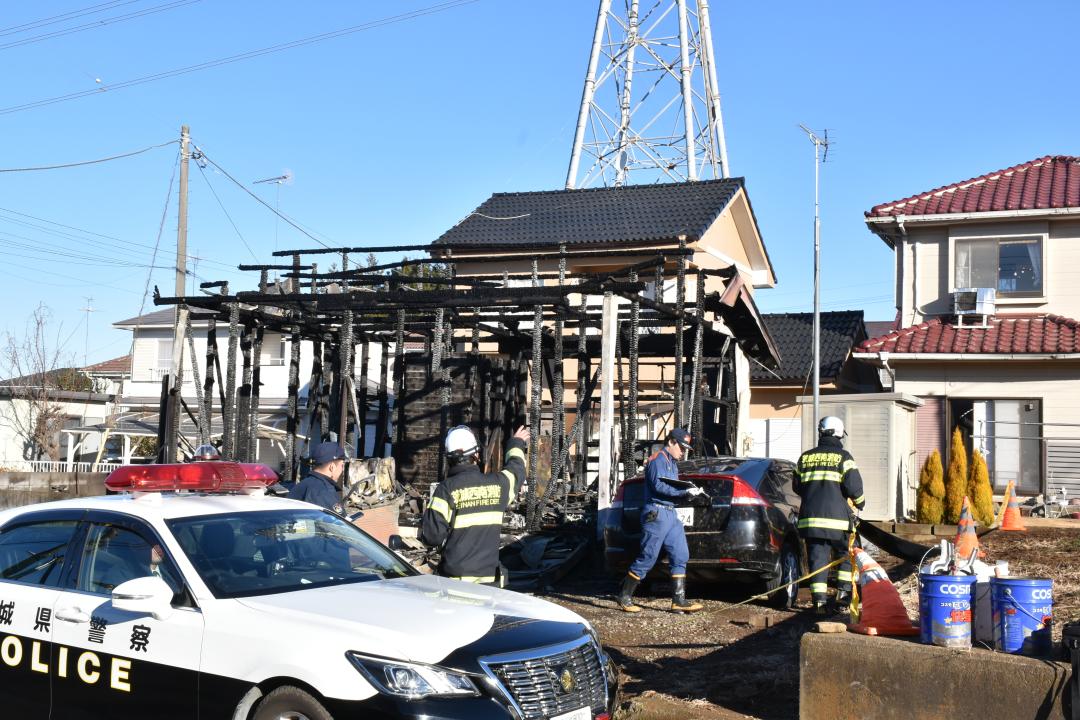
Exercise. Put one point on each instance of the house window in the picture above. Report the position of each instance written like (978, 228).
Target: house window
(1012, 266)
(164, 360)
(273, 351)
(1008, 433)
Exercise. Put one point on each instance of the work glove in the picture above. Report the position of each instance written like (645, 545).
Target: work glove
(695, 491)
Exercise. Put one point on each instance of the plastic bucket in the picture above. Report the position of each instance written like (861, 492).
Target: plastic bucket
(945, 609)
(1022, 609)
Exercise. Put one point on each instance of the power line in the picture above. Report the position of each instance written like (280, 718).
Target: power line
(70, 15)
(117, 244)
(99, 23)
(283, 216)
(382, 22)
(222, 206)
(89, 162)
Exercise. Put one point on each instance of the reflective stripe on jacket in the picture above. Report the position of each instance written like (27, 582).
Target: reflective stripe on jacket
(465, 515)
(826, 477)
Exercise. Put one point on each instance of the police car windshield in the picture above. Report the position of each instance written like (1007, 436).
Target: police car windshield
(273, 551)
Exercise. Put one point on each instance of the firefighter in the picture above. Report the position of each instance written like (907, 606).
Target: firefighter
(826, 479)
(465, 515)
(661, 526)
(322, 484)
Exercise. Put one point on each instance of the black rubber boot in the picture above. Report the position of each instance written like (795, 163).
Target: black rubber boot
(841, 603)
(679, 603)
(626, 595)
(821, 605)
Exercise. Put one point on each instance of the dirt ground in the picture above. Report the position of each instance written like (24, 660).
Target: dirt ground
(720, 664)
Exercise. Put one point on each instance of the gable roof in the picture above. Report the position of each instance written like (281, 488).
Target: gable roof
(1005, 335)
(1048, 182)
(793, 334)
(160, 318)
(115, 366)
(627, 215)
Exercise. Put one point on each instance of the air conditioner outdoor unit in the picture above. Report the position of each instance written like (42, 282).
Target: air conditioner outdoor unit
(974, 301)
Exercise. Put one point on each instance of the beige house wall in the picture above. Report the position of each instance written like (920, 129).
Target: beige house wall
(925, 270)
(1055, 383)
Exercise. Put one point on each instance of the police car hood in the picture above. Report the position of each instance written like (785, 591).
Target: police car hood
(423, 618)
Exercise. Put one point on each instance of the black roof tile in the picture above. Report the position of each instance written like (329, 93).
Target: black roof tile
(793, 334)
(631, 213)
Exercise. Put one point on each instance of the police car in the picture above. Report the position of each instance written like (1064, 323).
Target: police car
(194, 595)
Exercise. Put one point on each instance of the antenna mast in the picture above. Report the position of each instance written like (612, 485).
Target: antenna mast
(651, 101)
(820, 142)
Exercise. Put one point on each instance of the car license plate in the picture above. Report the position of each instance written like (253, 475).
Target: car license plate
(579, 714)
(686, 515)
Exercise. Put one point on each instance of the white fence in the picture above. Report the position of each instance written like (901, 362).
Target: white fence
(55, 466)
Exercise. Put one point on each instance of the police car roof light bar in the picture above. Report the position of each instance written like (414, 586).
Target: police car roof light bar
(202, 476)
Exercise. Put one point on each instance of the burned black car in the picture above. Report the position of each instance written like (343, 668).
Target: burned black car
(745, 532)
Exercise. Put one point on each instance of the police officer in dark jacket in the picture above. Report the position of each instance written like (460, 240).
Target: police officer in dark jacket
(662, 529)
(322, 484)
(465, 514)
(826, 478)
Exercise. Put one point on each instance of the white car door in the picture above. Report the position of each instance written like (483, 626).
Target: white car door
(32, 553)
(117, 664)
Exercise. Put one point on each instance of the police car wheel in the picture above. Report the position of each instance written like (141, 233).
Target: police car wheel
(290, 703)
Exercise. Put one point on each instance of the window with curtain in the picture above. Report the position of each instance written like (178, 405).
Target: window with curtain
(1012, 266)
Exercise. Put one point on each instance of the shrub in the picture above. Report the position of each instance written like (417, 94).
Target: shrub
(980, 492)
(930, 501)
(956, 479)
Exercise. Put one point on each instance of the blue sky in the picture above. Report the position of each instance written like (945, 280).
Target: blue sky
(395, 133)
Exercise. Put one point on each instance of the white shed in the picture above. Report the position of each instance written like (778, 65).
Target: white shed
(881, 436)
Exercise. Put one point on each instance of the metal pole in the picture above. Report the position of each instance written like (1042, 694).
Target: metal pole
(628, 81)
(716, 119)
(817, 289)
(687, 92)
(587, 93)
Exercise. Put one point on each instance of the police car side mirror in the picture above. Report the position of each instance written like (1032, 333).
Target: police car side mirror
(148, 595)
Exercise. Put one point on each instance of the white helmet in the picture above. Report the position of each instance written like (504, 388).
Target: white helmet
(461, 442)
(831, 425)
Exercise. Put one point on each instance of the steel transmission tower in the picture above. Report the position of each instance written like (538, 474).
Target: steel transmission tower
(651, 103)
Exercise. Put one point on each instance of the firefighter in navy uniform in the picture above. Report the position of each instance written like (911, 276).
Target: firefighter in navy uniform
(465, 515)
(661, 527)
(826, 479)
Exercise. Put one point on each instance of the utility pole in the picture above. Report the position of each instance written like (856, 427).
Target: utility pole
(819, 157)
(181, 225)
(171, 435)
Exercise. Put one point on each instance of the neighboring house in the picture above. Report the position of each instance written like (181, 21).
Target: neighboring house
(36, 412)
(151, 360)
(714, 218)
(987, 294)
(775, 411)
(109, 376)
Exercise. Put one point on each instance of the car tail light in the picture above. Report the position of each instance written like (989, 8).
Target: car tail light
(203, 476)
(743, 494)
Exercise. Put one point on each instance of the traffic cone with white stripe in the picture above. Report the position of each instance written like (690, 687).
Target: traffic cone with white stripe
(966, 539)
(1011, 520)
(883, 613)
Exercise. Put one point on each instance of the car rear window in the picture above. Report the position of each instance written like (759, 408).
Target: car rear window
(272, 551)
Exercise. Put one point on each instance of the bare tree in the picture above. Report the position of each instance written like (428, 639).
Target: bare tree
(38, 373)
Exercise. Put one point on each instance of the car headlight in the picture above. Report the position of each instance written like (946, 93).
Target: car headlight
(412, 681)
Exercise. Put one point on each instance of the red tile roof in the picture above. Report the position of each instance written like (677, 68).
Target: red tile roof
(116, 365)
(1006, 334)
(1047, 182)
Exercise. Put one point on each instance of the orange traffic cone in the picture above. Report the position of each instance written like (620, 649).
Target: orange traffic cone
(883, 612)
(966, 539)
(1011, 520)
